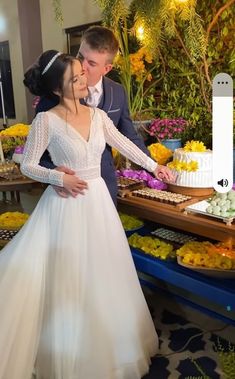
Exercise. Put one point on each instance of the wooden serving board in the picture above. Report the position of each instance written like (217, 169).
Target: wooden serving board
(123, 192)
(160, 205)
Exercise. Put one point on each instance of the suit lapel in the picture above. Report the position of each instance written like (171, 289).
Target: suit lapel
(107, 98)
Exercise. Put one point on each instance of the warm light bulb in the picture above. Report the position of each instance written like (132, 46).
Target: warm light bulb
(140, 33)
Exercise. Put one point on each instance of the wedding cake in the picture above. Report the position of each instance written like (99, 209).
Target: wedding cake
(193, 165)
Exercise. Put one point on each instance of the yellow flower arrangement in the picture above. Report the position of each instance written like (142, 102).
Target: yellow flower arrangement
(14, 136)
(135, 71)
(17, 130)
(13, 220)
(194, 146)
(138, 62)
(183, 166)
(160, 153)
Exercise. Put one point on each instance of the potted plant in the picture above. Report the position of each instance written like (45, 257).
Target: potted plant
(168, 131)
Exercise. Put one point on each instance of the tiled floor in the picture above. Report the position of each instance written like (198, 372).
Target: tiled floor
(198, 318)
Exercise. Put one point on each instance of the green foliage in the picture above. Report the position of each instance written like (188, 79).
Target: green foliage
(56, 4)
(186, 89)
(11, 143)
(159, 20)
(114, 13)
(195, 39)
(145, 14)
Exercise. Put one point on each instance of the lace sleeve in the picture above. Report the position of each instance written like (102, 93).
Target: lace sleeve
(126, 147)
(37, 142)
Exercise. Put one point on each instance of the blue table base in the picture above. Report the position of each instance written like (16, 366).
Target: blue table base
(217, 291)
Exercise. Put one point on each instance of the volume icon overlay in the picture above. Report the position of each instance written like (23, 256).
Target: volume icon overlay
(222, 129)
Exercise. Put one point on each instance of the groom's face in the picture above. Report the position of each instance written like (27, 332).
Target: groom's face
(94, 63)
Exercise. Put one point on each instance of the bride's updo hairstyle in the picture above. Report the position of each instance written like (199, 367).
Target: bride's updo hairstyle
(46, 75)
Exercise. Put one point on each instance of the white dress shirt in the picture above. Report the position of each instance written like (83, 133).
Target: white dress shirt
(94, 94)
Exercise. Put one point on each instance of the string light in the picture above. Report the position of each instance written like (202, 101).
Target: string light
(140, 33)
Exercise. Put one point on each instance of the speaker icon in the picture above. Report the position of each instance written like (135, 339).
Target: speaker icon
(223, 182)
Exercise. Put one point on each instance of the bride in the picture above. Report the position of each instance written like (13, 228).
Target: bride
(71, 304)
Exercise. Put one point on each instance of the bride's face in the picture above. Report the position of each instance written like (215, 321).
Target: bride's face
(75, 81)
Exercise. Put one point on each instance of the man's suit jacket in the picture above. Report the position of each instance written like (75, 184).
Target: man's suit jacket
(114, 103)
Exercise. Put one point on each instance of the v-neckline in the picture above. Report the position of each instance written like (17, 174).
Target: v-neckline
(92, 113)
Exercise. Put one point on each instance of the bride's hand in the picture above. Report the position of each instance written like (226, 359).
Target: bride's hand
(74, 185)
(164, 173)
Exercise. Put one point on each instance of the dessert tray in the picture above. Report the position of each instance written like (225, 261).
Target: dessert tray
(200, 208)
(10, 171)
(213, 272)
(6, 235)
(126, 185)
(163, 199)
(173, 236)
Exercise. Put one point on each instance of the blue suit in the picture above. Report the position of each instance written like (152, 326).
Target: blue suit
(114, 103)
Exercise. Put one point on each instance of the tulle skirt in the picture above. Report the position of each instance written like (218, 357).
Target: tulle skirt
(71, 306)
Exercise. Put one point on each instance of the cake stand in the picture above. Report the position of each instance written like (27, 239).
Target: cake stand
(190, 191)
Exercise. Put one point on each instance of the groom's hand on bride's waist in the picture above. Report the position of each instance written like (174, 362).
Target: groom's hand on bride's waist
(75, 185)
(66, 170)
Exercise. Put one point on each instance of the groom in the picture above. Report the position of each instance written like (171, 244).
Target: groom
(98, 48)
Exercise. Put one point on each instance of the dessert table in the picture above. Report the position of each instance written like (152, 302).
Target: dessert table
(211, 295)
(15, 186)
(193, 223)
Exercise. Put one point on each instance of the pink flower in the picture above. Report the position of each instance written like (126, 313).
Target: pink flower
(167, 128)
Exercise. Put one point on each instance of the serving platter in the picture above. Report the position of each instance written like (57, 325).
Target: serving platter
(160, 203)
(200, 208)
(213, 272)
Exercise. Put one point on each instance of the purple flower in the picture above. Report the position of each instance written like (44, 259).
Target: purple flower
(156, 184)
(19, 150)
(149, 180)
(167, 128)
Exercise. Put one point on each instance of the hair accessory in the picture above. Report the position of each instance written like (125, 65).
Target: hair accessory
(51, 62)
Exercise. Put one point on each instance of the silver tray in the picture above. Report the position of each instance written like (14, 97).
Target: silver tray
(200, 208)
(213, 272)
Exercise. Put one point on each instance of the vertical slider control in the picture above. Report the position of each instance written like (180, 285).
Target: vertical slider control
(222, 132)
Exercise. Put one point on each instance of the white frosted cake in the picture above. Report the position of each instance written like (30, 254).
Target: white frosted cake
(193, 168)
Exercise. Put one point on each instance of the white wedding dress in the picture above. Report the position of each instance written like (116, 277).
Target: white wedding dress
(71, 306)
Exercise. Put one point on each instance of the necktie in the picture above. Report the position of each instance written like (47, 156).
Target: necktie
(91, 99)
